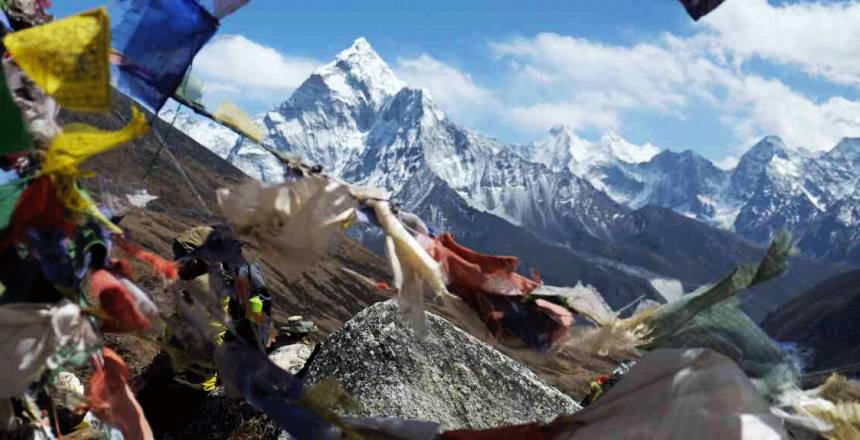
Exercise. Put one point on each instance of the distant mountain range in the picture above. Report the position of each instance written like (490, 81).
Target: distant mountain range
(576, 210)
(816, 196)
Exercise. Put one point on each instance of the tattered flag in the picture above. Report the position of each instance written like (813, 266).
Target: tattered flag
(223, 8)
(154, 42)
(68, 59)
(236, 118)
(13, 133)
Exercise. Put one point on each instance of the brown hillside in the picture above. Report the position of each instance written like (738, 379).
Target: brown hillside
(324, 294)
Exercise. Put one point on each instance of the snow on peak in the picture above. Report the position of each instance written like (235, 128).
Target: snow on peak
(564, 148)
(360, 69)
(773, 139)
(849, 142)
(361, 45)
(846, 149)
(768, 147)
(627, 152)
(356, 118)
(757, 158)
(560, 131)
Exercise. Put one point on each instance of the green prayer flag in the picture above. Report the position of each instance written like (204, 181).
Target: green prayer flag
(13, 132)
(9, 195)
(669, 318)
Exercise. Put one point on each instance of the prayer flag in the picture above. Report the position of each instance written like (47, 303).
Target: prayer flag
(9, 195)
(80, 142)
(112, 400)
(13, 133)
(190, 94)
(236, 118)
(294, 223)
(31, 334)
(26, 13)
(154, 43)
(74, 146)
(223, 8)
(68, 59)
(38, 208)
(699, 8)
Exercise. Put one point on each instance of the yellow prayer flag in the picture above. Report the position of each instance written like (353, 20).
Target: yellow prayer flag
(78, 201)
(75, 145)
(68, 59)
(72, 148)
(237, 119)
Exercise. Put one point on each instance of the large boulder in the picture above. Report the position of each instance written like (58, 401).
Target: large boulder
(450, 377)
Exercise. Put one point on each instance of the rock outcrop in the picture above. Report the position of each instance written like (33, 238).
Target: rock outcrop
(450, 377)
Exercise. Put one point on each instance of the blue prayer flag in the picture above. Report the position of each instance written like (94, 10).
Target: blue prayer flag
(153, 44)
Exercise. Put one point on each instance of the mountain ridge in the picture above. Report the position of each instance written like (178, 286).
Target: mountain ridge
(347, 117)
(773, 187)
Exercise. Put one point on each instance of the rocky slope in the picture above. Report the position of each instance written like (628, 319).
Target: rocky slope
(824, 321)
(449, 377)
(325, 293)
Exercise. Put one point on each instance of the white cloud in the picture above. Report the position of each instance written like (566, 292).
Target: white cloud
(234, 60)
(562, 66)
(585, 84)
(757, 107)
(210, 87)
(559, 79)
(550, 79)
(455, 91)
(820, 38)
(727, 163)
(543, 116)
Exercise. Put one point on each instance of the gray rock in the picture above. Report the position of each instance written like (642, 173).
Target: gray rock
(450, 377)
(291, 357)
(296, 325)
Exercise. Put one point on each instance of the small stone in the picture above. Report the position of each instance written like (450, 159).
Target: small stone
(291, 357)
(298, 326)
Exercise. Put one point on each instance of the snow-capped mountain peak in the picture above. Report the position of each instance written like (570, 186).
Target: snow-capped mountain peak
(557, 151)
(354, 117)
(620, 149)
(767, 148)
(360, 69)
(563, 148)
(754, 164)
(848, 149)
(329, 117)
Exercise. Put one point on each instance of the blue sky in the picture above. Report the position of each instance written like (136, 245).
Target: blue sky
(513, 69)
